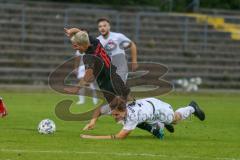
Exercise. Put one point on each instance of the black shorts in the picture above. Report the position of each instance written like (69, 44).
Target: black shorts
(114, 86)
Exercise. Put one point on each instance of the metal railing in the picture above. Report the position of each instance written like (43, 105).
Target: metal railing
(185, 21)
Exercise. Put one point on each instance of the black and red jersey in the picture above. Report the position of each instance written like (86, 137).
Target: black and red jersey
(96, 58)
(96, 49)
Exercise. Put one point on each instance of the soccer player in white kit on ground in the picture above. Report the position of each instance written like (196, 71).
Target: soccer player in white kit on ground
(80, 74)
(148, 110)
(115, 45)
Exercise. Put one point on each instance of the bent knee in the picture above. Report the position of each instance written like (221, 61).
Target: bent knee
(177, 117)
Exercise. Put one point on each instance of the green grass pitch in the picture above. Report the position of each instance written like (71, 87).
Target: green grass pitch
(217, 138)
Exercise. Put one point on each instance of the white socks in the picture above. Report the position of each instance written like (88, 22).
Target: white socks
(82, 97)
(185, 112)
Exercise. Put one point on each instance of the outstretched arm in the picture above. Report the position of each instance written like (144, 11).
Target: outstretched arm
(102, 110)
(87, 79)
(89, 76)
(133, 49)
(92, 123)
(121, 135)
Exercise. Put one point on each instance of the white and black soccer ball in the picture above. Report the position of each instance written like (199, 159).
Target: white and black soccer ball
(46, 126)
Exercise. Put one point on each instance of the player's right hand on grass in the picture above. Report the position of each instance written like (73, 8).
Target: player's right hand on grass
(89, 126)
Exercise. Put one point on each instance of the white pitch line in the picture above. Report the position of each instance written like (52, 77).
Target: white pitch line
(113, 154)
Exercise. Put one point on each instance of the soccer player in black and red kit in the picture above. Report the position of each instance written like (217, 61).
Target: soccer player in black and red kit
(97, 65)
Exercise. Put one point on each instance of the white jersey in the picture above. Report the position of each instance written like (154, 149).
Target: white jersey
(115, 43)
(149, 110)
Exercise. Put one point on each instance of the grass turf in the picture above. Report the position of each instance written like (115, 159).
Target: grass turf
(214, 139)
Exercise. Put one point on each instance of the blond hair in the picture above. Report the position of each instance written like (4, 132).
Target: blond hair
(81, 38)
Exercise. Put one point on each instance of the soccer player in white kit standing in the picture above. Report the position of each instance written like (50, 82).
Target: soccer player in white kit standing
(148, 110)
(115, 45)
(80, 74)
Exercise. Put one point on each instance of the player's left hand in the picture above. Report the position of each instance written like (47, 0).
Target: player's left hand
(72, 90)
(134, 66)
(82, 82)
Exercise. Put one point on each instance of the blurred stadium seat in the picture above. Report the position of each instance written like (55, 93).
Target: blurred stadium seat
(32, 42)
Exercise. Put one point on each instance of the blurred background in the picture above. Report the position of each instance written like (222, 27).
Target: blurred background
(198, 40)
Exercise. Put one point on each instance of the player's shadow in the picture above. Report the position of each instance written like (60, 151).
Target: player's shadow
(171, 137)
(22, 129)
(141, 137)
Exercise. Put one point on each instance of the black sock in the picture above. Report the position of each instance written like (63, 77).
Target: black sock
(155, 132)
(145, 127)
(148, 128)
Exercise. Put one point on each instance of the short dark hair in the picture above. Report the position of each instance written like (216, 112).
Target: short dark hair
(103, 19)
(118, 103)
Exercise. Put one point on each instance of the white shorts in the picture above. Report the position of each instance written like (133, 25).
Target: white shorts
(81, 72)
(120, 61)
(163, 111)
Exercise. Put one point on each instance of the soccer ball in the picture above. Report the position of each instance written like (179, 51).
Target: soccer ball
(46, 126)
